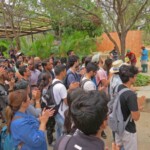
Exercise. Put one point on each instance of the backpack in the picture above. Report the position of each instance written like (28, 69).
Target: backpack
(82, 82)
(115, 120)
(48, 99)
(63, 142)
(66, 79)
(6, 140)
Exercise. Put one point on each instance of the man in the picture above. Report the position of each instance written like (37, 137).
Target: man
(72, 76)
(47, 67)
(132, 57)
(34, 73)
(60, 94)
(89, 114)
(130, 105)
(144, 59)
(87, 84)
(114, 54)
(70, 53)
(25, 72)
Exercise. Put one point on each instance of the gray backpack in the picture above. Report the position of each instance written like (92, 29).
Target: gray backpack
(115, 120)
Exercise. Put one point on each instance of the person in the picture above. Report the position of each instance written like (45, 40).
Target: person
(86, 83)
(132, 57)
(130, 105)
(115, 78)
(114, 54)
(70, 53)
(72, 75)
(144, 59)
(89, 114)
(60, 96)
(26, 131)
(47, 67)
(34, 74)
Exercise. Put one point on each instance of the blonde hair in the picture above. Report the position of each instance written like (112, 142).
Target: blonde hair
(15, 100)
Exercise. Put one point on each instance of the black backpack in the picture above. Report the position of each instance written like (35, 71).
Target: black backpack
(48, 99)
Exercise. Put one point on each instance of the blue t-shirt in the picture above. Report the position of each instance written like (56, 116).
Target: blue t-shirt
(72, 77)
(144, 54)
(26, 130)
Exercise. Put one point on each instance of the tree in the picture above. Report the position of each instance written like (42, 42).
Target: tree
(113, 15)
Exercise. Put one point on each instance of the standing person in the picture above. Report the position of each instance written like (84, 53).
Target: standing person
(47, 67)
(132, 57)
(89, 114)
(144, 59)
(70, 53)
(34, 73)
(27, 132)
(87, 84)
(60, 96)
(72, 75)
(114, 54)
(130, 105)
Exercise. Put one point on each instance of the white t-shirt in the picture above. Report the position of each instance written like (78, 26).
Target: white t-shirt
(60, 92)
(88, 85)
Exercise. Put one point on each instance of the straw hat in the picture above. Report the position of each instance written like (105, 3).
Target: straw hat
(115, 66)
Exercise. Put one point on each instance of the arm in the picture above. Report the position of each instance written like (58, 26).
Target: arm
(133, 106)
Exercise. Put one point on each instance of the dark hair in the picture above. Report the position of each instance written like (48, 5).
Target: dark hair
(72, 95)
(87, 60)
(56, 61)
(127, 72)
(10, 70)
(89, 111)
(44, 63)
(58, 69)
(43, 80)
(72, 59)
(21, 84)
(18, 63)
(69, 52)
(63, 60)
(22, 70)
(108, 65)
(91, 67)
(83, 59)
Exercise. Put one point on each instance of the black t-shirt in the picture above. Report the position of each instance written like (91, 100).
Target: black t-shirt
(81, 141)
(128, 102)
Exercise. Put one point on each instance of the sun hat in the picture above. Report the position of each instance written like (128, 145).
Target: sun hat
(116, 65)
(96, 58)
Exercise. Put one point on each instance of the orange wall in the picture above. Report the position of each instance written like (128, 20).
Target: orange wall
(133, 42)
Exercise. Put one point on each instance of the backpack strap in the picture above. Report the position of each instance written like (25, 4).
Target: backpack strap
(121, 92)
(53, 84)
(64, 142)
(83, 82)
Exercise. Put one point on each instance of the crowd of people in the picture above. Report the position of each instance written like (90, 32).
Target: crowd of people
(68, 98)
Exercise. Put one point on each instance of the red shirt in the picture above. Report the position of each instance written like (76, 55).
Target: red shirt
(132, 57)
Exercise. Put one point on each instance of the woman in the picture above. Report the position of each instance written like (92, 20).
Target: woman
(27, 132)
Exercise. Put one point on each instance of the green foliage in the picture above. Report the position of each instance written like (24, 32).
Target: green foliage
(142, 80)
(78, 41)
(40, 47)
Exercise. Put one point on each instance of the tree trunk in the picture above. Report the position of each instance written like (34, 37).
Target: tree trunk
(123, 45)
(18, 47)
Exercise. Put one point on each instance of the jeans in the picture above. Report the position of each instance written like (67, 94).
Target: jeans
(59, 125)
